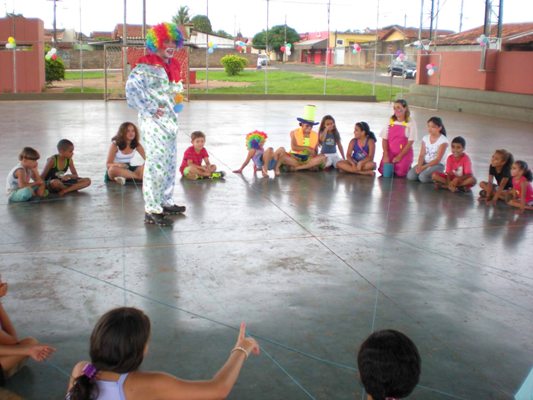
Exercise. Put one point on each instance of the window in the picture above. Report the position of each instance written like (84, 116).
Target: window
(340, 42)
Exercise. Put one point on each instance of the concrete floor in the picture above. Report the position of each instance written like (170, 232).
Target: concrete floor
(313, 262)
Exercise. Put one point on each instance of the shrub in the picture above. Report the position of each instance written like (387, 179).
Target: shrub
(233, 64)
(54, 70)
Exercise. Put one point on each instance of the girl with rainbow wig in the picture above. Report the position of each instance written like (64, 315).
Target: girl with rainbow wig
(151, 89)
(265, 160)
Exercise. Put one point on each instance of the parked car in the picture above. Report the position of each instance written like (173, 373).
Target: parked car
(407, 69)
(262, 60)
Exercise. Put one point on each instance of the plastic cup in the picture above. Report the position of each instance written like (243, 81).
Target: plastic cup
(388, 170)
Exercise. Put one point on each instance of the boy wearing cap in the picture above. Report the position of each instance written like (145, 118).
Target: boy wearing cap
(304, 144)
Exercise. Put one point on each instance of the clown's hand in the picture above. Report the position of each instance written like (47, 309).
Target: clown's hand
(177, 87)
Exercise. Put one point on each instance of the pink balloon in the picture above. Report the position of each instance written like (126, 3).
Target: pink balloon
(429, 66)
(431, 72)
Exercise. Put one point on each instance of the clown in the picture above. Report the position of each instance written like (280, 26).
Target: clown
(151, 89)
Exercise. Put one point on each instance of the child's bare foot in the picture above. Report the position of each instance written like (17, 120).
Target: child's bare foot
(264, 172)
(277, 172)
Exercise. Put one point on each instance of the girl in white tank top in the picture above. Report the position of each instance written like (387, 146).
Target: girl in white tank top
(124, 145)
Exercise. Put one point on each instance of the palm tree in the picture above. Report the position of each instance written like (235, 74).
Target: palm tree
(182, 17)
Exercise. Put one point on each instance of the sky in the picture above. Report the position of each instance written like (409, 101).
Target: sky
(250, 16)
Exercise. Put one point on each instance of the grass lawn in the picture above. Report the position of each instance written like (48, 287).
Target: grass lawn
(71, 75)
(283, 82)
(85, 90)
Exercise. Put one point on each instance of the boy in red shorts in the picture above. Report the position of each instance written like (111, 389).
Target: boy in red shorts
(458, 174)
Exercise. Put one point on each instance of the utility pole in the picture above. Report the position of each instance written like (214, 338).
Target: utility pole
(266, 48)
(327, 50)
(500, 19)
(431, 21)
(54, 22)
(125, 45)
(285, 40)
(461, 17)
(421, 21)
(144, 20)
(486, 26)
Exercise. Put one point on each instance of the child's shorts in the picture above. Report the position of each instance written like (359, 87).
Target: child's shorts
(19, 195)
(271, 164)
(300, 157)
(186, 171)
(132, 168)
(451, 177)
(332, 159)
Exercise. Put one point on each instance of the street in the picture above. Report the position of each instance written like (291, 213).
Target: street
(344, 72)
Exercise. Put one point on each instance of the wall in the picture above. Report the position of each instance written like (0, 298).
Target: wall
(514, 72)
(29, 72)
(504, 71)
(197, 57)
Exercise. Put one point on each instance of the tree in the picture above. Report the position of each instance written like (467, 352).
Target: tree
(182, 17)
(201, 23)
(276, 38)
(223, 33)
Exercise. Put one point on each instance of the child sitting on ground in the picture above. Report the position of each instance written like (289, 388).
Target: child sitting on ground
(329, 139)
(123, 147)
(18, 184)
(458, 174)
(14, 352)
(432, 151)
(360, 154)
(522, 190)
(191, 166)
(500, 168)
(54, 172)
(119, 343)
(263, 159)
(389, 365)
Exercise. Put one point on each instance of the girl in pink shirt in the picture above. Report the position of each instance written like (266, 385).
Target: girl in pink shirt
(522, 189)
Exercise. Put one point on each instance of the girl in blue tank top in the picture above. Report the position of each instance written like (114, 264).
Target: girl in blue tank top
(360, 153)
(119, 342)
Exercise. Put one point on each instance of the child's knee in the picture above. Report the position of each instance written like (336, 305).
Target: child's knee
(29, 341)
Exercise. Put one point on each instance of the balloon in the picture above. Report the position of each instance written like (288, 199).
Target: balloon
(429, 66)
(178, 107)
(47, 57)
(210, 44)
(10, 46)
(11, 40)
(54, 57)
(431, 72)
(282, 48)
(178, 98)
(210, 50)
(215, 46)
(53, 50)
(288, 45)
(398, 52)
(288, 51)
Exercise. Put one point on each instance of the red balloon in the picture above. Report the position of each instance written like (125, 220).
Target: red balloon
(54, 57)
(282, 48)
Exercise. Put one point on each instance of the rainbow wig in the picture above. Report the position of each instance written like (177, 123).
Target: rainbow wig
(161, 32)
(255, 140)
